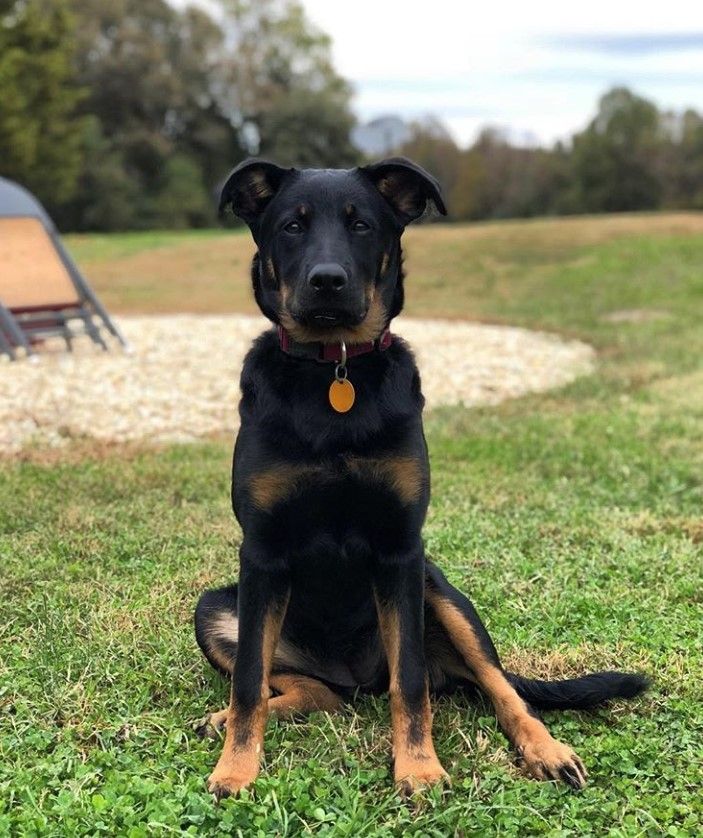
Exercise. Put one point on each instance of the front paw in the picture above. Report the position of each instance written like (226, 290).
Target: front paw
(413, 775)
(229, 781)
(549, 759)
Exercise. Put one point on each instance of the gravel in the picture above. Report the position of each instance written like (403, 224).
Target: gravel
(181, 381)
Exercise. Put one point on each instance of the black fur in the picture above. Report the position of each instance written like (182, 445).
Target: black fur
(580, 693)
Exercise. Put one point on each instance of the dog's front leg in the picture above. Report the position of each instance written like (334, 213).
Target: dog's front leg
(263, 597)
(399, 591)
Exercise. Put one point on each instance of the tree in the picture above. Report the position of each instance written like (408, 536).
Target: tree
(614, 159)
(106, 196)
(280, 87)
(147, 69)
(40, 138)
(178, 98)
(433, 147)
(686, 162)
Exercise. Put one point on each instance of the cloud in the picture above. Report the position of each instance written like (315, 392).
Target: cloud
(535, 68)
(631, 44)
(609, 76)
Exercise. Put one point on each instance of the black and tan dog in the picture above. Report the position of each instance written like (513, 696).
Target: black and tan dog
(331, 485)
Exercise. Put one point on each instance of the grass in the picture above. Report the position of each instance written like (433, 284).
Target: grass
(573, 519)
(455, 270)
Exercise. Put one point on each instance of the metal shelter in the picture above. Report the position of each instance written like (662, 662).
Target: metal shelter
(42, 292)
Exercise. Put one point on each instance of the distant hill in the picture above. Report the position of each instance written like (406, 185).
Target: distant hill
(381, 135)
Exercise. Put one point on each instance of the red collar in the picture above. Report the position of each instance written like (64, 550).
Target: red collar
(331, 351)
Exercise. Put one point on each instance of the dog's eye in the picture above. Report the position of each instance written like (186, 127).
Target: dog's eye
(360, 226)
(293, 227)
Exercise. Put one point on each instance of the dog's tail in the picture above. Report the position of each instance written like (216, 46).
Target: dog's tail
(579, 693)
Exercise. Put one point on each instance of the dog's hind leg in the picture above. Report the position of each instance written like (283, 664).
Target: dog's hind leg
(294, 695)
(543, 756)
(299, 695)
(217, 632)
(217, 627)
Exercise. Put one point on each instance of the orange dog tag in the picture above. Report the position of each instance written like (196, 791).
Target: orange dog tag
(342, 395)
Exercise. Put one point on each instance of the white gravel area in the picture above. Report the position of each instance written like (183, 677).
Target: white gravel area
(181, 381)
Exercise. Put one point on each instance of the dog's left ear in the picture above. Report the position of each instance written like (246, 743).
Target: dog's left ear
(250, 187)
(406, 186)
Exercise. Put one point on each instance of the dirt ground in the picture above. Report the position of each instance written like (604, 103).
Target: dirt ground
(180, 382)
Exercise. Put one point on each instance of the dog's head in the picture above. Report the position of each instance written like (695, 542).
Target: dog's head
(328, 266)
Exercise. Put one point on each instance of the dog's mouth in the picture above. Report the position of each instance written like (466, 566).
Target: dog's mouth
(329, 325)
(328, 318)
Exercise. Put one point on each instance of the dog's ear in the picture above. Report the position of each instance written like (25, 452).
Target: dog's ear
(406, 186)
(250, 187)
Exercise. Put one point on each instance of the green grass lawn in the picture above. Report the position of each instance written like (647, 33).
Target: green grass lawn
(573, 520)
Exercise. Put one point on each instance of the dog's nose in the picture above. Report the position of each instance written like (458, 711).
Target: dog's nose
(328, 277)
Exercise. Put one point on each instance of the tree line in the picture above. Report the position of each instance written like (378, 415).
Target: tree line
(126, 114)
(631, 156)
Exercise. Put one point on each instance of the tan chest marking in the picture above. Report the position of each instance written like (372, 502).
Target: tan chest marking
(403, 475)
(270, 487)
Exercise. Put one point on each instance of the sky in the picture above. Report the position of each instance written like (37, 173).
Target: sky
(534, 68)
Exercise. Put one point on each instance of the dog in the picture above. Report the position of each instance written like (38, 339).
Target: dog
(331, 484)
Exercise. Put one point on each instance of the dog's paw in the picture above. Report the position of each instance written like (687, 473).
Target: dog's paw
(210, 726)
(548, 759)
(414, 775)
(224, 782)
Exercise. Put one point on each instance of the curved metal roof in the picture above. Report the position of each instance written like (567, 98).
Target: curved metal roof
(18, 202)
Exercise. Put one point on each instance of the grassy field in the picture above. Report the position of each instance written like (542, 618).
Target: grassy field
(573, 519)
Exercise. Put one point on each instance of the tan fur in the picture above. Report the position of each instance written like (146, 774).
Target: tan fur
(384, 263)
(415, 762)
(238, 764)
(510, 708)
(219, 719)
(402, 474)
(542, 754)
(258, 184)
(269, 487)
(301, 694)
(221, 659)
(369, 329)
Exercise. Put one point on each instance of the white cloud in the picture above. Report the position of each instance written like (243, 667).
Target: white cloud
(535, 67)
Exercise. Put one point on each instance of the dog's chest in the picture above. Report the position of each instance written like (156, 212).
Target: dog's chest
(349, 503)
(400, 476)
